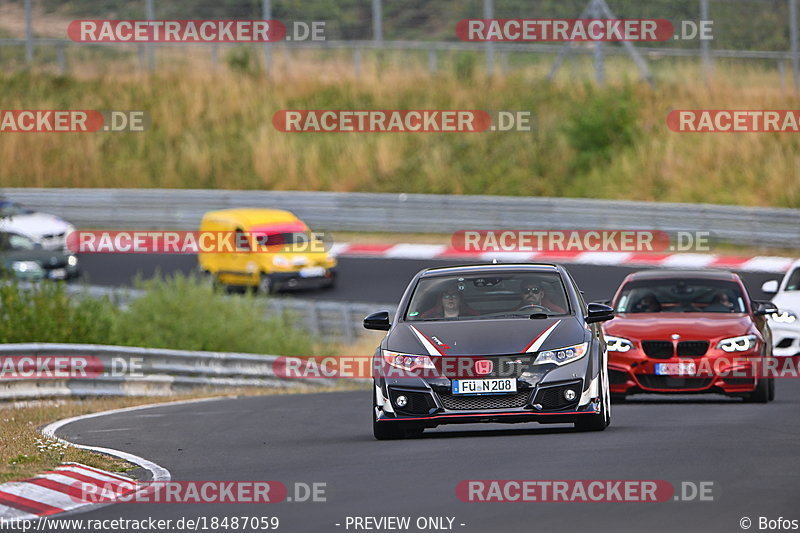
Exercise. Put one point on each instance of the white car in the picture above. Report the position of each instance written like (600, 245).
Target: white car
(785, 324)
(47, 230)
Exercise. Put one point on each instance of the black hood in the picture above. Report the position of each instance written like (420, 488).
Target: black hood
(485, 336)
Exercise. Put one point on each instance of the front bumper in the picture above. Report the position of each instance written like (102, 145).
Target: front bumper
(430, 403)
(293, 280)
(786, 339)
(723, 374)
(62, 273)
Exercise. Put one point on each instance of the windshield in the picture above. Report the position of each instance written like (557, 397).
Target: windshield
(488, 296)
(14, 241)
(10, 209)
(794, 281)
(681, 296)
(284, 239)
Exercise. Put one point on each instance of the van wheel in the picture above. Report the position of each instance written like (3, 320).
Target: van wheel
(265, 285)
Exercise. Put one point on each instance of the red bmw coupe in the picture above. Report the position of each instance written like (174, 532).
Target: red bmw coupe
(689, 332)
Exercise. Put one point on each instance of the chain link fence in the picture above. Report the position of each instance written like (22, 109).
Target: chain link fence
(422, 32)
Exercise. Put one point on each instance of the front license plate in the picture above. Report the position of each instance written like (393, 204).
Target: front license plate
(676, 369)
(484, 386)
(58, 273)
(312, 272)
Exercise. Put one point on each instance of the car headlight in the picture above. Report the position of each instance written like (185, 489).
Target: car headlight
(783, 317)
(280, 261)
(742, 343)
(618, 344)
(72, 261)
(408, 362)
(26, 266)
(562, 356)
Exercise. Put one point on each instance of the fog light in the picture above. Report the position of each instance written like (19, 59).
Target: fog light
(401, 401)
(569, 395)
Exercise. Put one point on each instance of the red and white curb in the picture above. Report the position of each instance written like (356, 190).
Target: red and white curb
(664, 260)
(63, 489)
(60, 490)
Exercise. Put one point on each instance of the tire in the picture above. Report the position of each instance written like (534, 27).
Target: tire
(265, 285)
(390, 430)
(618, 398)
(387, 430)
(760, 394)
(771, 389)
(601, 420)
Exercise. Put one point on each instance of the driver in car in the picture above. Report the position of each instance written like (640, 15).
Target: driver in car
(721, 303)
(450, 304)
(534, 299)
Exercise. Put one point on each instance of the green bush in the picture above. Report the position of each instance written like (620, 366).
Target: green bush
(181, 313)
(603, 124)
(46, 313)
(244, 61)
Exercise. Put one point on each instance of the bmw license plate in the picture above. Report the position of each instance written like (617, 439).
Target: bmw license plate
(312, 272)
(484, 386)
(676, 369)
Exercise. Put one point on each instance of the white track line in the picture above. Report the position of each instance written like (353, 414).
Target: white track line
(158, 472)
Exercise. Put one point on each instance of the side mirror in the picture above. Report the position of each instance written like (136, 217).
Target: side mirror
(379, 321)
(599, 313)
(764, 308)
(770, 287)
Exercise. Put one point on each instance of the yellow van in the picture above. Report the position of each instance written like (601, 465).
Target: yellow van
(265, 249)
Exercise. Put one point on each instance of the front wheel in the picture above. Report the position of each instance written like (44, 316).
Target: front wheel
(387, 430)
(391, 430)
(761, 393)
(599, 421)
(266, 285)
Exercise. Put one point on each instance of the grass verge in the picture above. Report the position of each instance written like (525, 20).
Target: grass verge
(214, 130)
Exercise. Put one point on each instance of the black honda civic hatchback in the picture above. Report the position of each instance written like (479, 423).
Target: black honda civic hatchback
(501, 343)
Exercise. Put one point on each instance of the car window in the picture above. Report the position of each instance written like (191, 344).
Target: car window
(488, 295)
(793, 284)
(284, 239)
(681, 296)
(20, 242)
(8, 209)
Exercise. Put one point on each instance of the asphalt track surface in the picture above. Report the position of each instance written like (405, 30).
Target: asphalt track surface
(748, 451)
(361, 279)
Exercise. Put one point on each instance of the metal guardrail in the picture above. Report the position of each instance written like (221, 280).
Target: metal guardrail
(328, 321)
(417, 213)
(157, 372)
